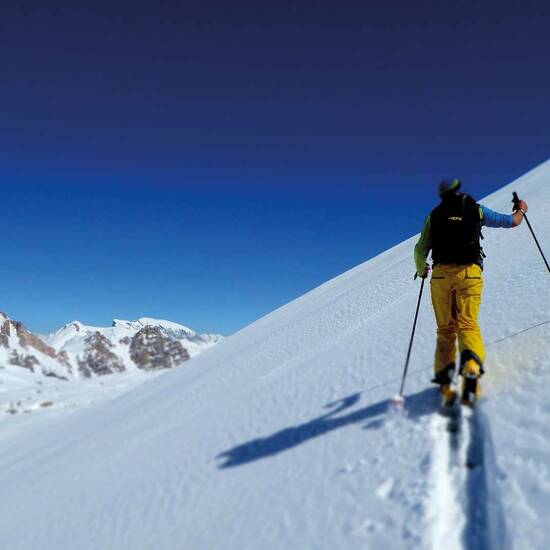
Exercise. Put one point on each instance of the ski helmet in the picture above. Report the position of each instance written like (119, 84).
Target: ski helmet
(448, 185)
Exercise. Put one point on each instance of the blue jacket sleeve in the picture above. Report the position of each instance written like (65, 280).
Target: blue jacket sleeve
(490, 218)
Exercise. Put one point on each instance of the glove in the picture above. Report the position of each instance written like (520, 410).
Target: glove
(426, 272)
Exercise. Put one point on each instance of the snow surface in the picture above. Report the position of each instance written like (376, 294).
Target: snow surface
(281, 435)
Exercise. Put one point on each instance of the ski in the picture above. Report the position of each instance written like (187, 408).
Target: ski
(452, 410)
(464, 433)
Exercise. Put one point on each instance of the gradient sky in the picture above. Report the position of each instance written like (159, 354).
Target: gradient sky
(206, 162)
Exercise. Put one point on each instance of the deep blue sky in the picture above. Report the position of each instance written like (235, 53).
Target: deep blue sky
(207, 162)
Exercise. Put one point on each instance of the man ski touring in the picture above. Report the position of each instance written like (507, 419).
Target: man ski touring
(453, 232)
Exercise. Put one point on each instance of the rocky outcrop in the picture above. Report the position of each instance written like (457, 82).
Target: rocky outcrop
(25, 361)
(98, 357)
(14, 333)
(150, 350)
(27, 339)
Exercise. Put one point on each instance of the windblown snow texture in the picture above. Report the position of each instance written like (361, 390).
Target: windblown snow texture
(281, 437)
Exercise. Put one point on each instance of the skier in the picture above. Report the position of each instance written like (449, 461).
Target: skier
(453, 232)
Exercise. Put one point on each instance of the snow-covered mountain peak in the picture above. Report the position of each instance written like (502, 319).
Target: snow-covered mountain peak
(150, 322)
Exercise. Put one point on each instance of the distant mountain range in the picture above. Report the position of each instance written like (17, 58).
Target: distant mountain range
(81, 351)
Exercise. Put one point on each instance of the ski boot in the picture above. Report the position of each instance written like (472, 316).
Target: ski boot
(445, 379)
(471, 371)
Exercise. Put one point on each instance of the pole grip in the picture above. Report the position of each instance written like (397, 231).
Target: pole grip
(515, 200)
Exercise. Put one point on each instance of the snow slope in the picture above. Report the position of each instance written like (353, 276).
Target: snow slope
(280, 436)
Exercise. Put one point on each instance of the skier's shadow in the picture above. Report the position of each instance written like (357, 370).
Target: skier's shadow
(418, 404)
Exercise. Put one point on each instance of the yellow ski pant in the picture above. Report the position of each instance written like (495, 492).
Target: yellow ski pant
(456, 297)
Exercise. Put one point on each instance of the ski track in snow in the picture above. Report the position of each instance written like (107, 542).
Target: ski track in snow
(465, 505)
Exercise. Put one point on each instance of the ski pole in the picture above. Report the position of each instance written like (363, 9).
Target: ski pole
(400, 396)
(515, 200)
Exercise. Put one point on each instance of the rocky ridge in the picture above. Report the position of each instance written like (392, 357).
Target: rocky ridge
(80, 351)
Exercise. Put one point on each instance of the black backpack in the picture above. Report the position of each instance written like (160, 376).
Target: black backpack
(456, 231)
